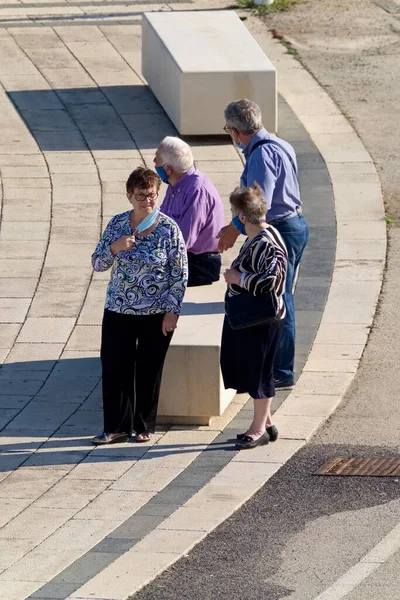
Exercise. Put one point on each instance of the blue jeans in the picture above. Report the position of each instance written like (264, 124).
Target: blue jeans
(295, 235)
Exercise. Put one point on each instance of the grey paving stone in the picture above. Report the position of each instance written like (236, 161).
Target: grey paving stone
(80, 571)
(311, 282)
(54, 591)
(314, 183)
(114, 545)
(310, 298)
(137, 527)
(213, 459)
(318, 217)
(306, 148)
(157, 510)
(294, 133)
(323, 238)
(308, 318)
(305, 335)
(174, 494)
(310, 161)
(317, 266)
(196, 475)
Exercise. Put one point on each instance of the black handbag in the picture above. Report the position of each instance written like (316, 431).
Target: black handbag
(246, 310)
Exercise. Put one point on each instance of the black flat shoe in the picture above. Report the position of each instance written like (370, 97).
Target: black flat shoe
(247, 442)
(109, 438)
(272, 432)
(280, 384)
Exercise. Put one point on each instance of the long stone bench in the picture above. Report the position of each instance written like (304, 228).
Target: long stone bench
(192, 391)
(197, 62)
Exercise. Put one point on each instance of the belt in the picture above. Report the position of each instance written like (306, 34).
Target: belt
(297, 212)
(205, 254)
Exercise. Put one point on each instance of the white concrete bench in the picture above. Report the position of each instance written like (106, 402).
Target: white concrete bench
(198, 62)
(192, 391)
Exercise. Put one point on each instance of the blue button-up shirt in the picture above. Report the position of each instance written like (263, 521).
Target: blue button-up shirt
(270, 167)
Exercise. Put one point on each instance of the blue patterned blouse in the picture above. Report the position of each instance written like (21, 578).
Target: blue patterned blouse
(149, 278)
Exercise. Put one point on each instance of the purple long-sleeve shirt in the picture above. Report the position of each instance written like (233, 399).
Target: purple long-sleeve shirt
(194, 203)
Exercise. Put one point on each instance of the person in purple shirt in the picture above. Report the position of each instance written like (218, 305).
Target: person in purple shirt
(271, 162)
(194, 203)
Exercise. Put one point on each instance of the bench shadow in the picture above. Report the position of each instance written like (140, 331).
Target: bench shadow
(122, 117)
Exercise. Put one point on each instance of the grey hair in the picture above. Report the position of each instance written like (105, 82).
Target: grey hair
(176, 153)
(250, 202)
(244, 115)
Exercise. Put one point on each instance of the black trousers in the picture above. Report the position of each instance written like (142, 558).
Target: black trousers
(204, 269)
(133, 350)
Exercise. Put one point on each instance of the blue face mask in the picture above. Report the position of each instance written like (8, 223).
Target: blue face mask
(148, 221)
(237, 223)
(162, 174)
(240, 146)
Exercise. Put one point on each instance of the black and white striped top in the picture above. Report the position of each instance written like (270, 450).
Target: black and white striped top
(262, 262)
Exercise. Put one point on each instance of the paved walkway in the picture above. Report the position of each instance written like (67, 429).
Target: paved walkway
(79, 522)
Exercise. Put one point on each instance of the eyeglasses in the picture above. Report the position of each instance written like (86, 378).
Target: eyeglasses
(226, 128)
(141, 197)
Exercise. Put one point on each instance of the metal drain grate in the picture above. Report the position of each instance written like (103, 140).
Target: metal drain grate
(361, 467)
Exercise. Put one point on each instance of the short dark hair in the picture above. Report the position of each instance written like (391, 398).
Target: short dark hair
(142, 178)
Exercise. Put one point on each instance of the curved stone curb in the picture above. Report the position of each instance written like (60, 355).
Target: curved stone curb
(360, 252)
(332, 363)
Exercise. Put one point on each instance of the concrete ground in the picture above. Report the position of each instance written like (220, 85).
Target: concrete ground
(111, 518)
(305, 537)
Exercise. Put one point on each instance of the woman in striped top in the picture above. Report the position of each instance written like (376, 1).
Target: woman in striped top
(247, 355)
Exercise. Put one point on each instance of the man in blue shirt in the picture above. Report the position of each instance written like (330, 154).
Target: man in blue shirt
(271, 162)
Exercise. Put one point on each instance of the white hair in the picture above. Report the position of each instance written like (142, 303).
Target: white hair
(176, 153)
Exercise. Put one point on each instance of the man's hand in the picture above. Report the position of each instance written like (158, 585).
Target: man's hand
(170, 322)
(227, 237)
(123, 244)
(232, 276)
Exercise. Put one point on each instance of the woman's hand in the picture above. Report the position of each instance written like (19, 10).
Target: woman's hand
(227, 237)
(232, 276)
(123, 244)
(170, 322)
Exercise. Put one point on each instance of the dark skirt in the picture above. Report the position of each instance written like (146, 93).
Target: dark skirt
(247, 358)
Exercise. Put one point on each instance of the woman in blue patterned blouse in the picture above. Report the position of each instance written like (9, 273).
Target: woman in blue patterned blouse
(146, 252)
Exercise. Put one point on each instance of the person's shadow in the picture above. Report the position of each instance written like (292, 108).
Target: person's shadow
(50, 410)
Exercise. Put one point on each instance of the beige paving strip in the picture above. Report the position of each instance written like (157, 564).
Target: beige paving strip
(333, 361)
(24, 224)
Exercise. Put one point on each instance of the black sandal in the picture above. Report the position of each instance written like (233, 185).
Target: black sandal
(247, 442)
(272, 432)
